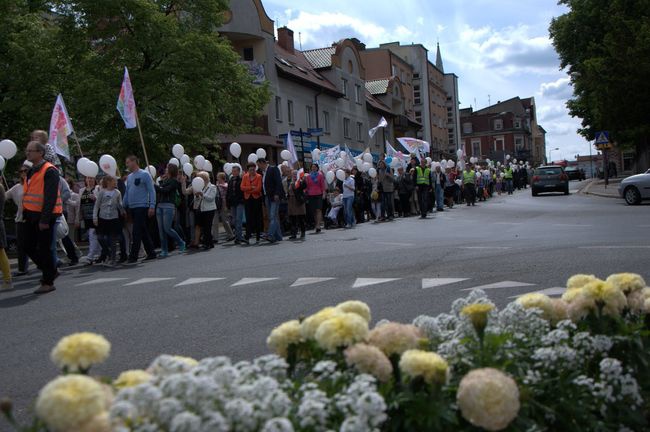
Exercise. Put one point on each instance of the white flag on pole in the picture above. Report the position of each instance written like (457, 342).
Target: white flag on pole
(60, 128)
(292, 149)
(382, 123)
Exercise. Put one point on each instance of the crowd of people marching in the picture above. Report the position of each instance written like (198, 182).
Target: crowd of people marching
(259, 202)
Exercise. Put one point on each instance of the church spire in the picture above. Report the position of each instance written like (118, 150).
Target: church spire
(439, 64)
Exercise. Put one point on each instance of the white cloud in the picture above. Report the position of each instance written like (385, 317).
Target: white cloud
(420, 21)
(559, 89)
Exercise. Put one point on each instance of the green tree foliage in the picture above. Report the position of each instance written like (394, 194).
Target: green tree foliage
(605, 47)
(188, 83)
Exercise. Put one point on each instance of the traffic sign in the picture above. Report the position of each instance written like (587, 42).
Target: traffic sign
(297, 133)
(315, 131)
(602, 138)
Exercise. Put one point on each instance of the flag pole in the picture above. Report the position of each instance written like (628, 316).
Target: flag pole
(144, 149)
(76, 140)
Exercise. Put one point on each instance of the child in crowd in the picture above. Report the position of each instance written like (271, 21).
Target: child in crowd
(107, 215)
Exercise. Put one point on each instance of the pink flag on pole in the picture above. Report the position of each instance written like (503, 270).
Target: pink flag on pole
(126, 102)
(60, 128)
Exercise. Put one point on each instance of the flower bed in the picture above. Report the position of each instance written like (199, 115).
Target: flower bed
(579, 363)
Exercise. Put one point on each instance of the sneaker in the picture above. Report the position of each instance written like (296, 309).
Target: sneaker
(150, 257)
(182, 247)
(44, 289)
(163, 255)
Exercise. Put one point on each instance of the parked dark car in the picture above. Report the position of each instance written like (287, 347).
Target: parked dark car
(574, 173)
(550, 178)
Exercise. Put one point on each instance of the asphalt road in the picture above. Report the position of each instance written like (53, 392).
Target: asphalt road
(515, 245)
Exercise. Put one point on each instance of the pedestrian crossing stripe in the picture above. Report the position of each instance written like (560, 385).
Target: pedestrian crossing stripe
(436, 282)
(101, 281)
(504, 284)
(195, 281)
(310, 281)
(149, 280)
(248, 281)
(363, 282)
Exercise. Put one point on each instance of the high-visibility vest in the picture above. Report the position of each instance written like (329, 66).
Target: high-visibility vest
(508, 174)
(423, 178)
(34, 192)
(469, 177)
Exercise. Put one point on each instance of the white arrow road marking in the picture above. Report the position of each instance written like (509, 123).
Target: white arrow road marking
(551, 292)
(310, 280)
(504, 284)
(101, 280)
(194, 281)
(430, 283)
(149, 280)
(363, 282)
(246, 281)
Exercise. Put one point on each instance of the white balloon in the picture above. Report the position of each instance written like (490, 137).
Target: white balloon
(197, 184)
(343, 155)
(507, 157)
(315, 154)
(366, 167)
(459, 153)
(367, 157)
(340, 163)
(207, 166)
(514, 161)
(152, 171)
(359, 165)
(8, 149)
(184, 159)
(443, 164)
(199, 161)
(108, 165)
(428, 160)
(285, 155)
(89, 169)
(329, 176)
(174, 161)
(81, 163)
(436, 165)
(252, 158)
(235, 149)
(261, 153)
(285, 163)
(372, 172)
(498, 164)
(178, 151)
(227, 168)
(2, 163)
(340, 174)
(188, 168)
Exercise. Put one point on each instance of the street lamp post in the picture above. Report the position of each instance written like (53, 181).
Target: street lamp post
(550, 152)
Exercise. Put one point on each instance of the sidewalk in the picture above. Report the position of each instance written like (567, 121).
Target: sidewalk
(597, 188)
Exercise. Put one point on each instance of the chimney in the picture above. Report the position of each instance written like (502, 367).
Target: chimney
(285, 38)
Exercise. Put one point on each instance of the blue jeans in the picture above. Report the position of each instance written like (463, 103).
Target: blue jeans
(440, 197)
(275, 232)
(349, 212)
(387, 207)
(509, 186)
(237, 215)
(165, 218)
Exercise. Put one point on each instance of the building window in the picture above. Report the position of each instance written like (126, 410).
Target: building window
(359, 131)
(498, 144)
(418, 116)
(519, 143)
(346, 127)
(476, 148)
(357, 93)
(498, 124)
(394, 70)
(326, 122)
(467, 128)
(416, 75)
(278, 108)
(416, 95)
(310, 116)
(628, 161)
(344, 83)
(290, 111)
(248, 54)
(517, 124)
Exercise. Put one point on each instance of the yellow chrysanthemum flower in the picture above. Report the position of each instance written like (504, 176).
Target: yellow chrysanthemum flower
(395, 338)
(477, 314)
(70, 402)
(309, 326)
(428, 365)
(627, 282)
(132, 378)
(344, 329)
(636, 299)
(539, 301)
(612, 298)
(357, 307)
(579, 280)
(571, 294)
(488, 398)
(284, 335)
(80, 351)
(560, 310)
(187, 360)
(369, 359)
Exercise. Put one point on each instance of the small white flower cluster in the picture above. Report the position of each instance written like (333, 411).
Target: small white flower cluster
(216, 395)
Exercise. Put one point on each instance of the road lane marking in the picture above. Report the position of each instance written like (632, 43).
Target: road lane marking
(248, 281)
(310, 280)
(572, 225)
(101, 280)
(149, 280)
(194, 281)
(508, 223)
(613, 247)
(395, 244)
(497, 285)
(364, 282)
(436, 282)
(485, 247)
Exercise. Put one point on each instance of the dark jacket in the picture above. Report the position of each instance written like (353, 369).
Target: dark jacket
(167, 191)
(273, 183)
(234, 194)
(50, 193)
(405, 184)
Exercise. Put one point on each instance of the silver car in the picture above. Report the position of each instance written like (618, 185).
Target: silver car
(636, 188)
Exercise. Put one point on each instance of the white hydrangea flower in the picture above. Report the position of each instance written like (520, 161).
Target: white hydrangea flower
(240, 413)
(215, 422)
(354, 424)
(186, 422)
(278, 424)
(124, 411)
(168, 409)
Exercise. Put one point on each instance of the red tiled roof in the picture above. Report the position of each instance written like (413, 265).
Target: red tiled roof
(320, 58)
(296, 66)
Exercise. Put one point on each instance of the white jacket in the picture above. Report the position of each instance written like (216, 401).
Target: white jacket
(208, 201)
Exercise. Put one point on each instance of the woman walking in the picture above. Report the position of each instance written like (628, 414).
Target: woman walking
(107, 215)
(296, 204)
(168, 197)
(206, 207)
(316, 188)
(85, 210)
(251, 186)
(221, 215)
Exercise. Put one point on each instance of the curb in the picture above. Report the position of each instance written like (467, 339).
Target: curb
(585, 191)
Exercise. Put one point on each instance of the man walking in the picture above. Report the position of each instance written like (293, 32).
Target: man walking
(273, 193)
(423, 183)
(439, 179)
(140, 201)
(235, 202)
(469, 184)
(42, 206)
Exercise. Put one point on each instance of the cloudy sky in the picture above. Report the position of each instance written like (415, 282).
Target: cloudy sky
(501, 49)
